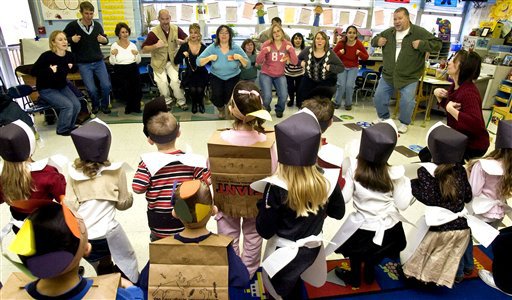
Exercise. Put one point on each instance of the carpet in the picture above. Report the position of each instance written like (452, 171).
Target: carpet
(389, 285)
(117, 116)
(388, 280)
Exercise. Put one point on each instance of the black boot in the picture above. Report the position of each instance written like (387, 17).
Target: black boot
(201, 106)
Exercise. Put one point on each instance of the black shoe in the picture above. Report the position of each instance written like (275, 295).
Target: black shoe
(137, 111)
(346, 276)
(106, 110)
(127, 111)
(95, 110)
(194, 108)
(279, 114)
(348, 107)
(336, 106)
(290, 103)
(65, 133)
(81, 271)
(201, 108)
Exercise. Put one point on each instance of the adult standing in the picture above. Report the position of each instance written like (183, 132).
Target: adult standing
(51, 70)
(85, 36)
(195, 78)
(162, 42)
(403, 49)
(226, 58)
(463, 103)
(274, 55)
(321, 68)
(349, 50)
(266, 34)
(294, 73)
(124, 56)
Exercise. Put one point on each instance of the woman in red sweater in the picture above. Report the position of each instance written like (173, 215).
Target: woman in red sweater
(350, 50)
(463, 103)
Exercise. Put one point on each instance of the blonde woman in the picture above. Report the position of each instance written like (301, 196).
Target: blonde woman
(321, 67)
(195, 78)
(274, 55)
(51, 70)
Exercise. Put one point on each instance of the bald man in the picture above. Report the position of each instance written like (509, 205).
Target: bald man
(163, 42)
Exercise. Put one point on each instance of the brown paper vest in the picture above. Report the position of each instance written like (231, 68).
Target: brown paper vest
(233, 169)
(189, 271)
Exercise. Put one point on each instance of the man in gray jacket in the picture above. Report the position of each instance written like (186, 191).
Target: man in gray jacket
(403, 48)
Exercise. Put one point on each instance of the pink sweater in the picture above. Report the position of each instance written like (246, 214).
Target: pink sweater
(273, 62)
(486, 185)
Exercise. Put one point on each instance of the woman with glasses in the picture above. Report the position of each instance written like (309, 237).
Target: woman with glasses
(226, 58)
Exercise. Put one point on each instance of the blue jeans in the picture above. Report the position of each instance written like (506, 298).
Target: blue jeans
(407, 100)
(68, 105)
(466, 262)
(279, 83)
(98, 69)
(345, 86)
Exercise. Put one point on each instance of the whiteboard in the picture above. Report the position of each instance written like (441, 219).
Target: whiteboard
(32, 49)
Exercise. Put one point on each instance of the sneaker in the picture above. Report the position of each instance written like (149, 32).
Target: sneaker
(378, 120)
(402, 128)
(459, 279)
(279, 114)
(348, 107)
(106, 110)
(336, 106)
(95, 110)
(487, 277)
(290, 103)
(183, 107)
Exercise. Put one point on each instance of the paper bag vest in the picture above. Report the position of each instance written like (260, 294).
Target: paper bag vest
(233, 169)
(103, 287)
(189, 270)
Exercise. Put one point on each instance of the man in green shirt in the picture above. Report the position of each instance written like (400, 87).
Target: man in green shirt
(403, 48)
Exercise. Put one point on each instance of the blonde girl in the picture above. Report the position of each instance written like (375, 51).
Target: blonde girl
(291, 214)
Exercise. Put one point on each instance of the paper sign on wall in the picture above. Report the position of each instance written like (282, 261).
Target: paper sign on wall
(186, 12)
(359, 18)
(248, 11)
(272, 12)
(214, 10)
(344, 17)
(305, 16)
(289, 15)
(64, 10)
(327, 17)
(379, 17)
(231, 14)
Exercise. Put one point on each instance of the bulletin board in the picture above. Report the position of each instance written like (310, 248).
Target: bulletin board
(115, 11)
(64, 9)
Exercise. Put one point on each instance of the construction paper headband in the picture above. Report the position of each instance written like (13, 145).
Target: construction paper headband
(166, 138)
(55, 263)
(260, 114)
(188, 206)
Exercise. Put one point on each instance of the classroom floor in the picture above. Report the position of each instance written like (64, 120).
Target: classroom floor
(129, 143)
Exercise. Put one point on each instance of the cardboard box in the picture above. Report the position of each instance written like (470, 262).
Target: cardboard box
(233, 169)
(189, 270)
